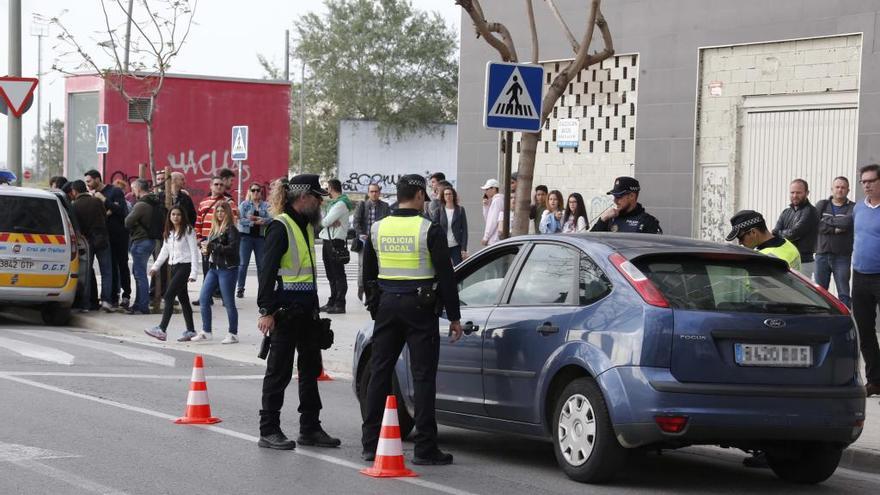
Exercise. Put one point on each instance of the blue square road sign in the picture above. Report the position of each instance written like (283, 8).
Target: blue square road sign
(239, 143)
(102, 138)
(514, 94)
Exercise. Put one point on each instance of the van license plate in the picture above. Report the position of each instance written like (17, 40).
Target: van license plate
(780, 356)
(16, 264)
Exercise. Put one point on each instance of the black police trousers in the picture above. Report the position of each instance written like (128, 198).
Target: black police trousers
(399, 321)
(288, 339)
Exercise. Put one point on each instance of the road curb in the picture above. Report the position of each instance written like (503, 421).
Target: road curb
(861, 459)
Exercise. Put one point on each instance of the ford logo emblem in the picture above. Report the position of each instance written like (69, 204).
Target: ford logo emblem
(774, 322)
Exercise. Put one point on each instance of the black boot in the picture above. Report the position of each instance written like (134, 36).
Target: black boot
(318, 438)
(277, 440)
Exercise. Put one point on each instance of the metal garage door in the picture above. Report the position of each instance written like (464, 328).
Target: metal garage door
(812, 137)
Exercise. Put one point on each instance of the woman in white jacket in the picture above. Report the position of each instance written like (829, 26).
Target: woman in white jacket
(182, 253)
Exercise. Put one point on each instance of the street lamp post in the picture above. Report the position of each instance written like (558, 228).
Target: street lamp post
(13, 126)
(39, 29)
(302, 107)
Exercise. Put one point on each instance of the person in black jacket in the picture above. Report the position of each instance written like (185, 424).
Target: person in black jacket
(368, 212)
(834, 245)
(92, 223)
(117, 210)
(221, 249)
(799, 223)
(452, 218)
(627, 214)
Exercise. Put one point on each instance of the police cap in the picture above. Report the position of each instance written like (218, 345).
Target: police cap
(307, 182)
(414, 180)
(743, 221)
(624, 185)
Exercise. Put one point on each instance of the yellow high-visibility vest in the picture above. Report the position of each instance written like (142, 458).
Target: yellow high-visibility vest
(296, 264)
(787, 251)
(401, 244)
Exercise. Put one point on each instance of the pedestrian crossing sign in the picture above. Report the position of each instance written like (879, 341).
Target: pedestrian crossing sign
(102, 138)
(239, 142)
(513, 97)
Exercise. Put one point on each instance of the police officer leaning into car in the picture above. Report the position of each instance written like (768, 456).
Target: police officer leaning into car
(408, 276)
(627, 214)
(288, 302)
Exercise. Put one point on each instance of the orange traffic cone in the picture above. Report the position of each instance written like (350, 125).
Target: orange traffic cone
(389, 453)
(198, 410)
(324, 377)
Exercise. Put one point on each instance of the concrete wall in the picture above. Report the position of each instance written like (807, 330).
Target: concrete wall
(667, 36)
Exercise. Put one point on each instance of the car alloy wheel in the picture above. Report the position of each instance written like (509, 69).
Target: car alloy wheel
(577, 430)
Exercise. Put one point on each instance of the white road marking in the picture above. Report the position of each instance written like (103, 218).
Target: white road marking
(230, 433)
(13, 452)
(120, 350)
(127, 375)
(35, 351)
(69, 478)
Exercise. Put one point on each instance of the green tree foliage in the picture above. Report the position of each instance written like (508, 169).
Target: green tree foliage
(374, 60)
(51, 150)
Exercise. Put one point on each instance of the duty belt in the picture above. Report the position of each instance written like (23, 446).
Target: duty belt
(299, 286)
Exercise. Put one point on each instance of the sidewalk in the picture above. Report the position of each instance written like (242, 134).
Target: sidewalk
(863, 455)
(337, 359)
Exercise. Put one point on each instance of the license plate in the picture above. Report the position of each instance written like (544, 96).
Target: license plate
(780, 356)
(16, 264)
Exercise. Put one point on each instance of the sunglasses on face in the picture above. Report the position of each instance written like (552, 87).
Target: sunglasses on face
(256, 190)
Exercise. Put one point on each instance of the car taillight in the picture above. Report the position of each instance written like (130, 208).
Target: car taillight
(837, 303)
(639, 281)
(71, 239)
(671, 424)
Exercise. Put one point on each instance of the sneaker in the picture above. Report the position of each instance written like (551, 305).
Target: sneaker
(156, 332)
(436, 458)
(106, 306)
(202, 336)
(318, 438)
(336, 310)
(132, 311)
(84, 310)
(125, 302)
(187, 336)
(239, 293)
(230, 339)
(325, 308)
(195, 302)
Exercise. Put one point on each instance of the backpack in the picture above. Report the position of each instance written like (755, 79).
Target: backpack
(156, 228)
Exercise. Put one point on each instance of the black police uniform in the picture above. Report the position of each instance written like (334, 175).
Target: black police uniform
(636, 220)
(290, 334)
(400, 319)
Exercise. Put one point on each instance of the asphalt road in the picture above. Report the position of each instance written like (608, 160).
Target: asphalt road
(85, 414)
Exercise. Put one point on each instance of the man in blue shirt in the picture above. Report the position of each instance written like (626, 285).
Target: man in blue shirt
(866, 273)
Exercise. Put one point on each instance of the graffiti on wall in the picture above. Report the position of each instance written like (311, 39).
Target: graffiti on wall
(598, 205)
(360, 181)
(714, 207)
(203, 167)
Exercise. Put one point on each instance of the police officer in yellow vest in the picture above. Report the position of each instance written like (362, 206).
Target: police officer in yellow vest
(408, 278)
(288, 302)
(750, 229)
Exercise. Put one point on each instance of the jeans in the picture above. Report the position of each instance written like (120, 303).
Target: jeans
(865, 298)
(119, 257)
(335, 275)
(140, 254)
(246, 245)
(177, 289)
(225, 278)
(839, 265)
(105, 266)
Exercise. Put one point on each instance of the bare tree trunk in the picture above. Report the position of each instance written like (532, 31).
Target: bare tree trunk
(524, 175)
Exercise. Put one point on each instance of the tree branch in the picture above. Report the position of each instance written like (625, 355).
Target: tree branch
(475, 11)
(565, 28)
(533, 29)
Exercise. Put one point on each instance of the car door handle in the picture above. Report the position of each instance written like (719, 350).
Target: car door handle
(547, 328)
(470, 328)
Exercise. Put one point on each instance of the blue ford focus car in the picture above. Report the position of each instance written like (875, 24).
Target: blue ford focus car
(611, 342)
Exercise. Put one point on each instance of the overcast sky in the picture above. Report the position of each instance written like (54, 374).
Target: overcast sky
(225, 42)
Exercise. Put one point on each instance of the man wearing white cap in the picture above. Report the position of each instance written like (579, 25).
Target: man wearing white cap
(496, 203)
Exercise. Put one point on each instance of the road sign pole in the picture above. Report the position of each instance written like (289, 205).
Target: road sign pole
(508, 162)
(13, 129)
(238, 167)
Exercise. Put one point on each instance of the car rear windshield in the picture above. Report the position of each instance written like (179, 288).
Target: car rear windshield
(26, 215)
(739, 285)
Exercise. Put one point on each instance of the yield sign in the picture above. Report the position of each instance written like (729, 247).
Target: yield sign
(15, 92)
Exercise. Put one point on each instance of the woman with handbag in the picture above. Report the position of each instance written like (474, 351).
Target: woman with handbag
(181, 252)
(221, 249)
(452, 218)
(334, 250)
(254, 216)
